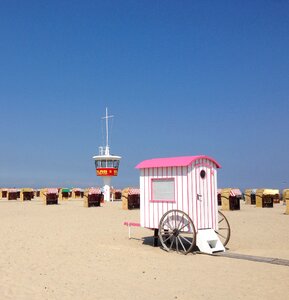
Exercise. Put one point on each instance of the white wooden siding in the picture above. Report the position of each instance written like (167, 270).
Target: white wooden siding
(188, 184)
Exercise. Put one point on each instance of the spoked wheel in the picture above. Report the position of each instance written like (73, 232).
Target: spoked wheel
(177, 232)
(224, 231)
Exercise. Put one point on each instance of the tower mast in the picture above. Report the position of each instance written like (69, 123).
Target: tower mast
(106, 127)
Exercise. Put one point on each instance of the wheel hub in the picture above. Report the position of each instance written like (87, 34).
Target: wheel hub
(176, 232)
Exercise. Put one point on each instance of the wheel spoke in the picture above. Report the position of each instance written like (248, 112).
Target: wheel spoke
(186, 240)
(172, 243)
(182, 244)
(167, 238)
(168, 223)
(184, 226)
(218, 233)
(221, 220)
(175, 219)
(177, 244)
(181, 221)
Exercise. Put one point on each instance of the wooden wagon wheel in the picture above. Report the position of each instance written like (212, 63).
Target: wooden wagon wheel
(224, 231)
(177, 231)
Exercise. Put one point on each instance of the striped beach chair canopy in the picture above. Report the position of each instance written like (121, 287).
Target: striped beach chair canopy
(52, 191)
(235, 193)
(93, 191)
(134, 191)
(77, 190)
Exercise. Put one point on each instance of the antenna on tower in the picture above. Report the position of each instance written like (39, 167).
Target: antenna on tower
(106, 126)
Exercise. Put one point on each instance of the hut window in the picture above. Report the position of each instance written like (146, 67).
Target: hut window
(203, 174)
(115, 163)
(109, 164)
(163, 190)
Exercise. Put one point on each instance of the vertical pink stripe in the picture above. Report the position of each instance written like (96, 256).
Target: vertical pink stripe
(171, 170)
(212, 199)
(144, 196)
(199, 202)
(192, 198)
(207, 198)
(215, 199)
(158, 218)
(176, 189)
(149, 205)
(167, 205)
(196, 195)
(147, 198)
(205, 191)
(203, 200)
(209, 189)
(162, 211)
(182, 174)
(177, 180)
(203, 196)
(152, 205)
(188, 193)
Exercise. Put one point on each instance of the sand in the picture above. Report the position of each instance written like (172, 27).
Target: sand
(67, 251)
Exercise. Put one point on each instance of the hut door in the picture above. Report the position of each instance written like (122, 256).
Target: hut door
(205, 213)
(200, 196)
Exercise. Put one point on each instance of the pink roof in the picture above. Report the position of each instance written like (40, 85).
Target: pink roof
(180, 161)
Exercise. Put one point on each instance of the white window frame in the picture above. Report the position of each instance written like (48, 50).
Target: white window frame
(163, 190)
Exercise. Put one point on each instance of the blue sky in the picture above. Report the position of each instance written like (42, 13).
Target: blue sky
(180, 78)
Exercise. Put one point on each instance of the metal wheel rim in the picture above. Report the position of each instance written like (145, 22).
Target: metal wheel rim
(224, 231)
(177, 232)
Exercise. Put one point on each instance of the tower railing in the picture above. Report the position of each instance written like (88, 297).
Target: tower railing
(103, 150)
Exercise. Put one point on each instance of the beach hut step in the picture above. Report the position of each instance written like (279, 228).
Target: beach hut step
(208, 241)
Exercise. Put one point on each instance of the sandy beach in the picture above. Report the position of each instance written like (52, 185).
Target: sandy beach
(67, 251)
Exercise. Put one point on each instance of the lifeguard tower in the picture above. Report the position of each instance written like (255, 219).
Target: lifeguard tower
(106, 165)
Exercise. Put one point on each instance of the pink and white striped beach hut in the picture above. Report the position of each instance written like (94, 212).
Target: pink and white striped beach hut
(186, 187)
